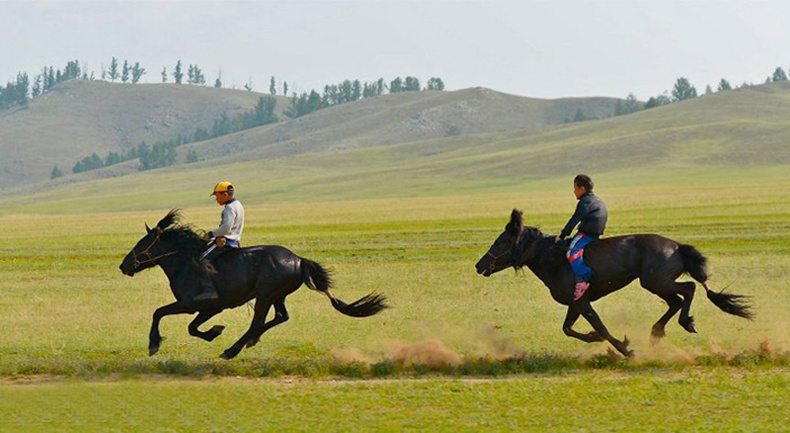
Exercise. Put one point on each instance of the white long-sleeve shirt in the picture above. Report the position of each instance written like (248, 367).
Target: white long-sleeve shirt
(232, 223)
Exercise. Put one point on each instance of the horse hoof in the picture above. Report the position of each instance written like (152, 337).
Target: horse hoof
(656, 335)
(214, 332)
(227, 355)
(689, 326)
(152, 351)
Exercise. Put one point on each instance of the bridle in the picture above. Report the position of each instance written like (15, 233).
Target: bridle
(494, 258)
(151, 258)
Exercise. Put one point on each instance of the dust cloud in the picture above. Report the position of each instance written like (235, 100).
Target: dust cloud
(490, 344)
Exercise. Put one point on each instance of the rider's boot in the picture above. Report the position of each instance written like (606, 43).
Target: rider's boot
(581, 287)
(208, 292)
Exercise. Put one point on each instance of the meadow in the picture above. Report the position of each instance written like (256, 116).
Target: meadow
(455, 352)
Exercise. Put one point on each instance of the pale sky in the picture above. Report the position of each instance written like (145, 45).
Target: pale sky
(542, 49)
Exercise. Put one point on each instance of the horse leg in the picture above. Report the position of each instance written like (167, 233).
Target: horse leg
(280, 316)
(258, 322)
(686, 321)
(657, 332)
(154, 337)
(567, 327)
(586, 309)
(202, 318)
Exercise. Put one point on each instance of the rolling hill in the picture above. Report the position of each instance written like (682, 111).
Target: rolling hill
(439, 143)
(81, 117)
(77, 118)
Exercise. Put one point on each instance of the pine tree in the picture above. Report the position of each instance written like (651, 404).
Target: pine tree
(396, 85)
(683, 90)
(177, 74)
(56, 173)
(411, 84)
(435, 84)
(113, 72)
(779, 75)
(137, 72)
(125, 71)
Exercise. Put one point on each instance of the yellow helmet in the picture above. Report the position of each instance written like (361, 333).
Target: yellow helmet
(223, 186)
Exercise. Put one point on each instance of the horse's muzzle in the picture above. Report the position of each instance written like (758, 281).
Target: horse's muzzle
(126, 269)
(483, 269)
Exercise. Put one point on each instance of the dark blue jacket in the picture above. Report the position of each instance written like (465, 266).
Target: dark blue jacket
(591, 216)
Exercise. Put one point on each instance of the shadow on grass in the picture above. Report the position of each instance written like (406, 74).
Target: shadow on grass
(310, 362)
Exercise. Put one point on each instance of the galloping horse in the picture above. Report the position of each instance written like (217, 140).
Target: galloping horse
(616, 261)
(266, 274)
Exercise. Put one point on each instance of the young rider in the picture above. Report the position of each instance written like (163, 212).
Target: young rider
(591, 217)
(227, 234)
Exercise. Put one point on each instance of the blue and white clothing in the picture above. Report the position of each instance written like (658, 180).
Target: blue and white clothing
(231, 225)
(590, 216)
(575, 256)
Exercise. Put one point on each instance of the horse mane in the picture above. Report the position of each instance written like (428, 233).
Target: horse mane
(185, 238)
(173, 218)
(534, 244)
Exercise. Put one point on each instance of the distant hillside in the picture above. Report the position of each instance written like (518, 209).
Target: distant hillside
(439, 143)
(77, 118)
(403, 118)
(81, 117)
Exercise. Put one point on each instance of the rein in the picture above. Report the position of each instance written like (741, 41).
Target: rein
(494, 258)
(151, 258)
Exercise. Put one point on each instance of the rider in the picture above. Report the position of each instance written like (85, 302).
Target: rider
(591, 216)
(227, 234)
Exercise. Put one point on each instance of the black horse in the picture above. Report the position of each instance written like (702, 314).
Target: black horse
(616, 261)
(266, 274)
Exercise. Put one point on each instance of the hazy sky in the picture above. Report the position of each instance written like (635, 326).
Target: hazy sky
(544, 49)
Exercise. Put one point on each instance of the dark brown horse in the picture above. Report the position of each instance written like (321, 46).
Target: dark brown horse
(616, 261)
(265, 274)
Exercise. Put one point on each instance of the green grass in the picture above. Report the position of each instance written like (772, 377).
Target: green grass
(721, 399)
(457, 351)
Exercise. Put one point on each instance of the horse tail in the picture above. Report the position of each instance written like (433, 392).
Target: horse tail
(317, 278)
(695, 264)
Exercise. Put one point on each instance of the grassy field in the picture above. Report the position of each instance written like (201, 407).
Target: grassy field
(456, 351)
(709, 399)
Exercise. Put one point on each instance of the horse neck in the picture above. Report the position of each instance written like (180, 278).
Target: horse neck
(172, 266)
(175, 265)
(531, 253)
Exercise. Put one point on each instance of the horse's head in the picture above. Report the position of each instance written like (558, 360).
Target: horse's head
(500, 255)
(151, 247)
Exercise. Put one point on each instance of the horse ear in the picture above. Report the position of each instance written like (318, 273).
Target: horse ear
(147, 229)
(516, 223)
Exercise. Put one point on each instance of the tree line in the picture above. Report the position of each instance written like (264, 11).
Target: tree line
(683, 90)
(349, 91)
(19, 92)
(163, 153)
